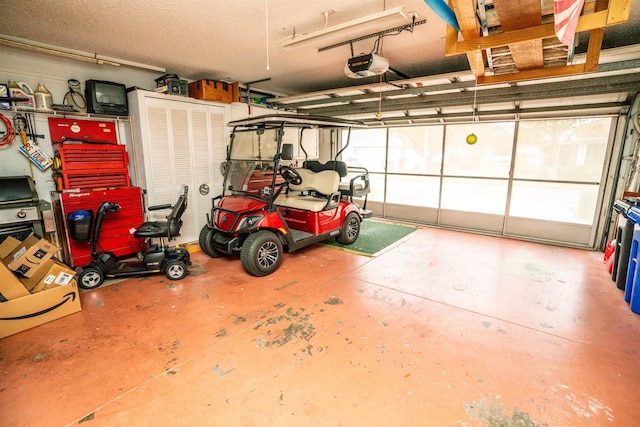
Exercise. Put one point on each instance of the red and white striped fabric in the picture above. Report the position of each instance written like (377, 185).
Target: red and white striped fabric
(565, 16)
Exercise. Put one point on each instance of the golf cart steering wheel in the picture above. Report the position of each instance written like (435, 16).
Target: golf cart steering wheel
(290, 175)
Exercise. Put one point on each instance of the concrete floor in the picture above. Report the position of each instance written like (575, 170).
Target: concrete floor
(443, 329)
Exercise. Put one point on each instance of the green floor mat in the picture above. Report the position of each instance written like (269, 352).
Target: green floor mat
(374, 236)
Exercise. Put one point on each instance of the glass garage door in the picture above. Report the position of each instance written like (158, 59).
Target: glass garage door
(538, 179)
(475, 178)
(556, 179)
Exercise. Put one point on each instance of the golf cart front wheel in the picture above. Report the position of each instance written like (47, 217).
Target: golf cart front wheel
(261, 253)
(90, 278)
(175, 270)
(206, 242)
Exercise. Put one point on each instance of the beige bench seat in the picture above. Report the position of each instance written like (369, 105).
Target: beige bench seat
(318, 191)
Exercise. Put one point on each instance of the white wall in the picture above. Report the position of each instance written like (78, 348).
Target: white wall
(34, 67)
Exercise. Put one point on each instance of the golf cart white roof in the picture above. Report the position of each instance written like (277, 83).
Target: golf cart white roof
(295, 120)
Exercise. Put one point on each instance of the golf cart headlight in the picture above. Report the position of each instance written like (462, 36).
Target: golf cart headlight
(249, 222)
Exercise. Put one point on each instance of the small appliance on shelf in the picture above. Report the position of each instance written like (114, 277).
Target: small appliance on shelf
(104, 97)
(172, 85)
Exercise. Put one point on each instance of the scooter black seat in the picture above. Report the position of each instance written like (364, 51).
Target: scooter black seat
(155, 229)
(169, 228)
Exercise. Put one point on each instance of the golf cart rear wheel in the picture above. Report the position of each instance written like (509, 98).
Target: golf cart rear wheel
(350, 229)
(261, 253)
(90, 278)
(175, 270)
(206, 242)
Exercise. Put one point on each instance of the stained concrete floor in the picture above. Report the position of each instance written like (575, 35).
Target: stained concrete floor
(443, 329)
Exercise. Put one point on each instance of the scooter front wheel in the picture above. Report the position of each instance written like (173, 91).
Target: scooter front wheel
(90, 278)
(175, 270)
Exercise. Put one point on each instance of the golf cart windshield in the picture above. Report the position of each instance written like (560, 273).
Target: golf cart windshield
(249, 177)
(254, 157)
(251, 164)
(253, 144)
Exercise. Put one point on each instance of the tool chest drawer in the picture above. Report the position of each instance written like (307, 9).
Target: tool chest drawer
(93, 166)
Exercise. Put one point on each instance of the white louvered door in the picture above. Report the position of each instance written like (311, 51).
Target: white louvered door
(179, 141)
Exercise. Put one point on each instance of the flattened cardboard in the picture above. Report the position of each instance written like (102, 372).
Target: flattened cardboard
(36, 309)
(16, 248)
(9, 245)
(10, 286)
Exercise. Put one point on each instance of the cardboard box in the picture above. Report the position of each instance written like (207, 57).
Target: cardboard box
(28, 256)
(54, 290)
(53, 273)
(24, 313)
(212, 90)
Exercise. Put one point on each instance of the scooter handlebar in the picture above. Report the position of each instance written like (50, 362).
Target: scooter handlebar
(112, 207)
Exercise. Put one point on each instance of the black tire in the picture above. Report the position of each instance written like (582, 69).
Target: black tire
(90, 278)
(206, 239)
(350, 229)
(175, 270)
(261, 253)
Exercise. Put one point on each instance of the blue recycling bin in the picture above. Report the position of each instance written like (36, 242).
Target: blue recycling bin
(632, 282)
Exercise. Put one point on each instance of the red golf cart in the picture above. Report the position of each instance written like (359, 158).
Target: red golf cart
(269, 204)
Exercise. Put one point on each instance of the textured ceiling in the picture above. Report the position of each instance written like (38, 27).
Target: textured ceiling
(226, 40)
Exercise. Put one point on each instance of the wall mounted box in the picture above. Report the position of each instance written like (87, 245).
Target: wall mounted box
(95, 131)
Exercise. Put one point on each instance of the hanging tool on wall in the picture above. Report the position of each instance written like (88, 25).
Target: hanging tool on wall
(9, 134)
(20, 124)
(25, 126)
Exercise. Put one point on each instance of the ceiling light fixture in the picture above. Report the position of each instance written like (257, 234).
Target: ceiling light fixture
(352, 28)
(73, 54)
(378, 34)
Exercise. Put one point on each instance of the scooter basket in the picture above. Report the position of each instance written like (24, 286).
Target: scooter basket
(79, 224)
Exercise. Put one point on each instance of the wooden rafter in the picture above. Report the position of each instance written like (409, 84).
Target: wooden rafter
(466, 13)
(522, 34)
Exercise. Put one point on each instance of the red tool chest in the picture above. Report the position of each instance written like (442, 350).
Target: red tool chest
(100, 131)
(116, 235)
(93, 166)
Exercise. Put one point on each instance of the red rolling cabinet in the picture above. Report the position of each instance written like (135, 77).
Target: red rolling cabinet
(116, 235)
